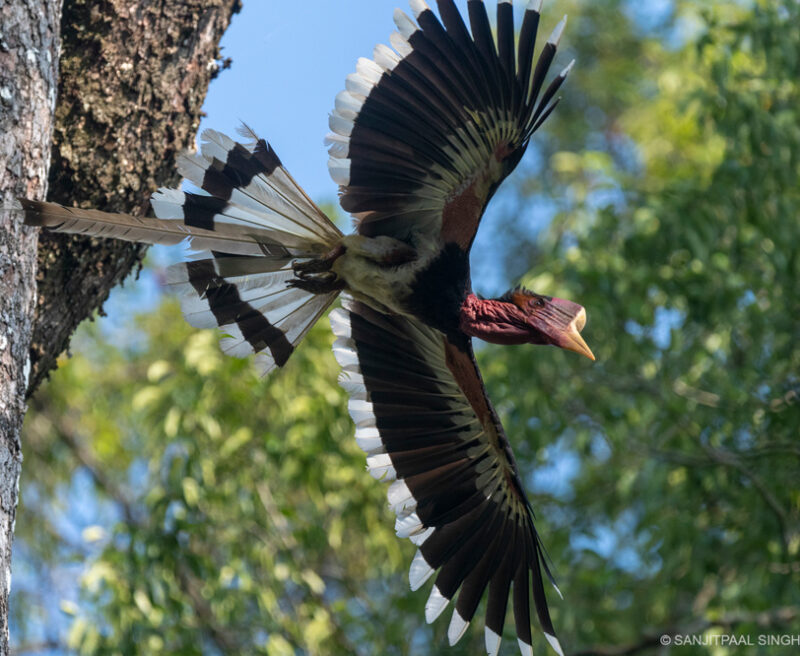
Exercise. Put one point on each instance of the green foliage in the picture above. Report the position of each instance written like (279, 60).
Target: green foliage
(250, 524)
(238, 517)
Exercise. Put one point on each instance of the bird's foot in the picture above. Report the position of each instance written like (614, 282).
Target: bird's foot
(326, 282)
(318, 265)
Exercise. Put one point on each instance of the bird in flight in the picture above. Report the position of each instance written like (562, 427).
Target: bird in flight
(421, 138)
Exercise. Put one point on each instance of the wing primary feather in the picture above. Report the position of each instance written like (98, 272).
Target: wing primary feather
(555, 37)
(491, 641)
(419, 572)
(481, 29)
(500, 586)
(484, 43)
(436, 603)
(465, 556)
(445, 540)
(544, 116)
(404, 24)
(505, 38)
(449, 60)
(536, 557)
(418, 6)
(540, 72)
(554, 643)
(458, 626)
(522, 600)
(474, 585)
(527, 46)
(551, 91)
(458, 32)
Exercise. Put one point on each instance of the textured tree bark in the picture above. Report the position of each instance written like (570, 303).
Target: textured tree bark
(29, 49)
(134, 74)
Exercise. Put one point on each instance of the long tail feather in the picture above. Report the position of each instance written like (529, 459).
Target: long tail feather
(256, 222)
(93, 223)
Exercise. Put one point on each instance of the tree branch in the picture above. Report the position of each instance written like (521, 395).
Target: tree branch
(85, 456)
(727, 458)
(36, 647)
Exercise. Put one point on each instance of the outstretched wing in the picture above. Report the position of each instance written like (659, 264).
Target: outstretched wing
(425, 422)
(424, 134)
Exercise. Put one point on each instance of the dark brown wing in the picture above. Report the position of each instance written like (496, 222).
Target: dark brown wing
(424, 134)
(423, 417)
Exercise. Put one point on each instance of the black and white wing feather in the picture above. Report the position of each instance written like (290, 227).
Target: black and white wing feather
(423, 418)
(426, 131)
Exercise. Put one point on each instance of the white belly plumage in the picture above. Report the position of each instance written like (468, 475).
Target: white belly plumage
(369, 279)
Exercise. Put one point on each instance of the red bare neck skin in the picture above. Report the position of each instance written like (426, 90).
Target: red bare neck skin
(493, 321)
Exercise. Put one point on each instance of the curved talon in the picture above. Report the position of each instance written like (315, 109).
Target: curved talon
(320, 283)
(318, 265)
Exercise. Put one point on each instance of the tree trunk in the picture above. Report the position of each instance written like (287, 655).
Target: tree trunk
(134, 74)
(29, 49)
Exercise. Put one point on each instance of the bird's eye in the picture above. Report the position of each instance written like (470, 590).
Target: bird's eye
(539, 302)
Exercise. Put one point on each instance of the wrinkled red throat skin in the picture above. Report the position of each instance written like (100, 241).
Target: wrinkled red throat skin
(496, 322)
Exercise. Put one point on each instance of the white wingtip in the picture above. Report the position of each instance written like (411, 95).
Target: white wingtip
(369, 70)
(347, 102)
(524, 648)
(419, 572)
(554, 643)
(407, 524)
(405, 25)
(340, 125)
(535, 5)
(400, 497)
(457, 628)
(385, 57)
(419, 538)
(367, 438)
(558, 591)
(339, 170)
(492, 641)
(338, 146)
(418, 6)
(435, 605)
(401, 44)
(567, 69)
(555, 37)
(380, 467)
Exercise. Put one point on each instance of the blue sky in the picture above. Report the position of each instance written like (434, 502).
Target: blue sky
(290, 59)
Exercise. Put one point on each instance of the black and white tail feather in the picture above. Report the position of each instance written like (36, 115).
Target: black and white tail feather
(253, 221)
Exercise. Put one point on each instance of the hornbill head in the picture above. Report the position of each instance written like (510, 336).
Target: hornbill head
(521, 316)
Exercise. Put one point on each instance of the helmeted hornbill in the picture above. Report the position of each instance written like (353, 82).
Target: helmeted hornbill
(421, 138)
